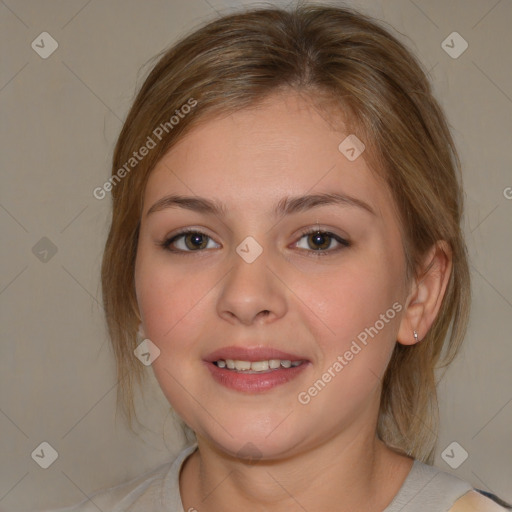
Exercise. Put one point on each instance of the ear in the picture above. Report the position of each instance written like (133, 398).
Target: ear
(426, 293)
(140, 333)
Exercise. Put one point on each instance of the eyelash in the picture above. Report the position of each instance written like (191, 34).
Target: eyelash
(166, 243)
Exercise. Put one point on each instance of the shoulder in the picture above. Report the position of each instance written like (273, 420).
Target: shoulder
(148, 492)
(123, 494)
(428, 488)
(473, 501)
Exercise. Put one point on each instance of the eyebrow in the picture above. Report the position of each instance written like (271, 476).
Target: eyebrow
(286, 206)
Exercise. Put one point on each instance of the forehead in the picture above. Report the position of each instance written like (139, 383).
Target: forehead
(253, 157)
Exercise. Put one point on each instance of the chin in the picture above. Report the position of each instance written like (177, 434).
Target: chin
(251, 442)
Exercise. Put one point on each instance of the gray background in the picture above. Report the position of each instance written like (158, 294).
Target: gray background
(60, 119)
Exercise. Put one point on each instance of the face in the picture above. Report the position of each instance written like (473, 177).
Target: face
(268, 277)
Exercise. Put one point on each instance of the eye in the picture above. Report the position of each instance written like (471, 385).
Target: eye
(191, 240)
(188, 240)
(322, 242)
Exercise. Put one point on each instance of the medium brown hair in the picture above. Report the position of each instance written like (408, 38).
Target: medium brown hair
(321, 51)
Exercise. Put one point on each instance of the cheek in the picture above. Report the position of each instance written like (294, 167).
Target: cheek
(350, 299)
(169, 302)
(175, 305)
(359, 311)
(165, 300)
(362, 316)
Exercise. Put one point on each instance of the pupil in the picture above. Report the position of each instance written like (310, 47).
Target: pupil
(320, 239)
(196, 241)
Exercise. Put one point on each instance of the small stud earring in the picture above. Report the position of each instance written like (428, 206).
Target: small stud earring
(416, 337)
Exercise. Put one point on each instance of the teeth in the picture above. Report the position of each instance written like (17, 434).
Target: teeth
(256, 366)
(260, 366)
(242, 365)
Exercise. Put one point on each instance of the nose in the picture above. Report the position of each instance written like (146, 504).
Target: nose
(251, 293)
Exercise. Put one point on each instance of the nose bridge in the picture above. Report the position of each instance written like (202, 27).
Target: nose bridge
(251, 289)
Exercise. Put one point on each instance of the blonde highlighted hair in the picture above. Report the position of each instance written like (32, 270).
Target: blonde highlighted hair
(323, 52)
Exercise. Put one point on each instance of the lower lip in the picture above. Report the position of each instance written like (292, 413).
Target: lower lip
(254, 382)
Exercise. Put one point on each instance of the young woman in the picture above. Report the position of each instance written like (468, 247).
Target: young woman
(286, 241)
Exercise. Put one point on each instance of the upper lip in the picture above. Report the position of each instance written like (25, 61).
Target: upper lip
(251, 354)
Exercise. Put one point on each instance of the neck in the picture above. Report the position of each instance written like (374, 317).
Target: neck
(352, 471)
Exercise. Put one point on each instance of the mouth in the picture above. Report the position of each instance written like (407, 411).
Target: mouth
(254, 370)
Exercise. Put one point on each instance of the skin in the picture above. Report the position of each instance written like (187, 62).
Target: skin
(475, 502)
(324, 455)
